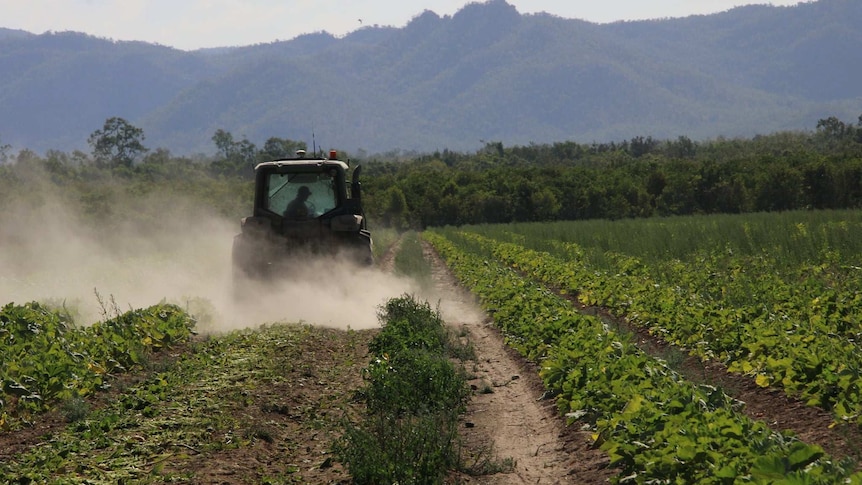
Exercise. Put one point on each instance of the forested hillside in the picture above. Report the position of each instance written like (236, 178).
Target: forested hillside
(486, 74)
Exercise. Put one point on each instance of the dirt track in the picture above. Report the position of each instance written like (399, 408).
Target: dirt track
(513, 421)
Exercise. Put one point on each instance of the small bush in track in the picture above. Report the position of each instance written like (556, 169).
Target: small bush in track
(413, 395)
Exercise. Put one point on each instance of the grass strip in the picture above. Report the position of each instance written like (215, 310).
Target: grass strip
(410, 260)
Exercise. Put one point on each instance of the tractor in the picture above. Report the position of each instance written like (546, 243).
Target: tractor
(304, 208)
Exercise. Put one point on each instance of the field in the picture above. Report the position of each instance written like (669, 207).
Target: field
(614, 310)
(270, 403)
(721, 349)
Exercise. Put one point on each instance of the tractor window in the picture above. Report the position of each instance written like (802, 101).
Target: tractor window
(301, 196)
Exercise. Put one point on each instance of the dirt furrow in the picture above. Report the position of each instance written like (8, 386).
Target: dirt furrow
(507, 423)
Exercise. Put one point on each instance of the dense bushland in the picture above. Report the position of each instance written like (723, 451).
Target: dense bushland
(641, 177)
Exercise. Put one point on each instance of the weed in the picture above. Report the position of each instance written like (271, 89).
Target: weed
(462, 350)
(485, 462)
(414, 395)
(411, 449)
(75, 409)
(409, 324)
(674, 357)
(109, 309)
(414, 381)
(260, 432)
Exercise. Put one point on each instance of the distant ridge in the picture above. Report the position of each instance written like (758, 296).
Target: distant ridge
(484, 73)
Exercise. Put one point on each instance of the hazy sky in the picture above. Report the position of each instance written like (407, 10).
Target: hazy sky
(191, 24)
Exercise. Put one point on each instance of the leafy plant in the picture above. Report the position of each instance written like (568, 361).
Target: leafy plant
(413, 396)
(48, 360)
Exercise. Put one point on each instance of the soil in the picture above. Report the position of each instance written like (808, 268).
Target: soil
(292, 422)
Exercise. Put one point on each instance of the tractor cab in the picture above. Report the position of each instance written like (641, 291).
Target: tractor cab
(302, 207)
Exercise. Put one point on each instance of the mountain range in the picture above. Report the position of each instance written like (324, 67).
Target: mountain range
(486, 73)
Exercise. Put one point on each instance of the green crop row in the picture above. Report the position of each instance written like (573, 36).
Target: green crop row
(46, 359)
(799, 331)
(410, 260)
(655, 426)
(789, 238)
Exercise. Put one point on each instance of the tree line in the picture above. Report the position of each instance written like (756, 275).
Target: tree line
(99, 183)
(640, 177)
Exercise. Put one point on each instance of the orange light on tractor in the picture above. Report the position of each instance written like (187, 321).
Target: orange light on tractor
(333, 155)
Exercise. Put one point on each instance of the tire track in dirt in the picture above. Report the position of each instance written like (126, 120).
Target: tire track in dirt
(512, 422)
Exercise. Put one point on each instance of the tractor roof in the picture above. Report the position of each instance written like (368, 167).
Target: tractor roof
(302, 162)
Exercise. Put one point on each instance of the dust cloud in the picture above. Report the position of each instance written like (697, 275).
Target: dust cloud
(172, 250)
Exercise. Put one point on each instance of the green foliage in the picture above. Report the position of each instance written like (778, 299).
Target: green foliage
(409, 324)
(101, 194)
(117, 144)
(414, 381)
(275, 148)
(417, 449)
(771, 296)
(384, 238)
(237, 158)
(638, 178)
(632, 179)
(394, 209)
(653, 424)
(413, 395)
(48, 360)
(410, 260)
